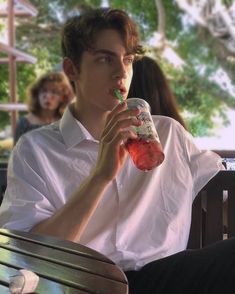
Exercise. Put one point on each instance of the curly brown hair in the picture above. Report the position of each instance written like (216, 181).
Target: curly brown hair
(64, 87)
(79, 32)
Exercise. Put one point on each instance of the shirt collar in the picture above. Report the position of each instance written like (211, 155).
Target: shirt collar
(72, 131)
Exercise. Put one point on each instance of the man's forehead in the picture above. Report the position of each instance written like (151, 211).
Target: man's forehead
(109, 39)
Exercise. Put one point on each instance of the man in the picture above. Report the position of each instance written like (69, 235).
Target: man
(75, 180)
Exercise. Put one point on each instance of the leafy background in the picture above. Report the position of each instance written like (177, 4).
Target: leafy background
(203, 103)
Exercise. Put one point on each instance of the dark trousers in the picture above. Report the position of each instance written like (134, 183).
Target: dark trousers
(210, 270)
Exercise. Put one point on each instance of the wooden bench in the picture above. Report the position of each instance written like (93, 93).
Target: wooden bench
(213, 219)
(62, 266)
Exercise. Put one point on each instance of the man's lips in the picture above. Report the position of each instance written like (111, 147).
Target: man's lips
(122, 91)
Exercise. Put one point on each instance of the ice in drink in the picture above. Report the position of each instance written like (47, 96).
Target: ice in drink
(146, 154)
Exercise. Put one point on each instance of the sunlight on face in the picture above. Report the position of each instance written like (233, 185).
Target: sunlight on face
(105, 68)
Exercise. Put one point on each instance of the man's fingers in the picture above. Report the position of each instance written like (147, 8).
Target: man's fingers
(121, 126)
(120, 112)
(120, 137)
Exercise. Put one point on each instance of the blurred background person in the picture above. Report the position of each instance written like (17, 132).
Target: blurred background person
(47, 98)
(150, 84)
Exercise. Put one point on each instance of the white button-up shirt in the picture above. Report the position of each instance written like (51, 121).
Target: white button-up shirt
(142, 216)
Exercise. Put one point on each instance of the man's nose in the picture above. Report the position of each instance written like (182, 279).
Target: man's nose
(120, 71)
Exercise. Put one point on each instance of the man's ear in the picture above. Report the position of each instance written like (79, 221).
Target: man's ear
(70, 69)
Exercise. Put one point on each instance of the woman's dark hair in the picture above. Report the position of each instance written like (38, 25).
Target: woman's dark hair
(79, 32)
(64, 88)
(150, 84)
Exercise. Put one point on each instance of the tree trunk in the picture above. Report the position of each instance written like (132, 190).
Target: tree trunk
(161, 18)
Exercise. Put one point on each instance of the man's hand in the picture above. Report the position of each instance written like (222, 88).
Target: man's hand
(112, 152)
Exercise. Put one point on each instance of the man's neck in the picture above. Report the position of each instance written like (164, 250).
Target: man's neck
(93, 125)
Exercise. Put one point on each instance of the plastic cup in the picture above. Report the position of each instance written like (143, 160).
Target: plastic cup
(145, 151)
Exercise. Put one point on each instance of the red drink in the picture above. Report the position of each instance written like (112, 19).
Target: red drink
(145, 151)
(146, 154)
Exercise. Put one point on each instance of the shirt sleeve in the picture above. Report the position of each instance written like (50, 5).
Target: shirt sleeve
(26, 200)
(204, 164)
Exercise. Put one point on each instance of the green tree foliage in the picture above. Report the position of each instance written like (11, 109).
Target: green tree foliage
(200, 99)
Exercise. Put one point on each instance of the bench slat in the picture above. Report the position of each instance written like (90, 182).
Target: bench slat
(61, 274)
(44, 285)
(56, 243)
(61, 257)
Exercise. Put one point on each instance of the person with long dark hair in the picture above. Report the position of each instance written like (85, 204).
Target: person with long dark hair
(150, 84)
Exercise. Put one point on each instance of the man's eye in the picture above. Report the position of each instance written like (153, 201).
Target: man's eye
(105, 59)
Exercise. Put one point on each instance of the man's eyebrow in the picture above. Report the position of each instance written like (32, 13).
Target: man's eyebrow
(106, 51)
(103, 51)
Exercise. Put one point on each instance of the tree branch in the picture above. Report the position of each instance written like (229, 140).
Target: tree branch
(213, 15)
